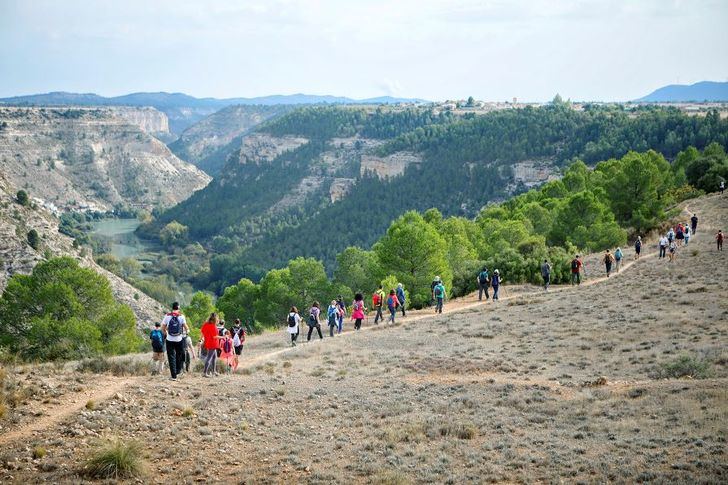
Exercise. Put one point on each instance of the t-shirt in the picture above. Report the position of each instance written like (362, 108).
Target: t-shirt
(663, 241)
(575, 266)
(209, 332)
(297, 319)
(694, 221)
(182, 321)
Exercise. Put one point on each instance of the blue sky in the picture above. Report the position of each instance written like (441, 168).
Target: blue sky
(433, 49)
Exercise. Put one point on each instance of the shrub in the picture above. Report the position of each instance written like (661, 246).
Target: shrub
(115, 459)
(33, 239)
(684, 366)
(22, 198)
(39, 452)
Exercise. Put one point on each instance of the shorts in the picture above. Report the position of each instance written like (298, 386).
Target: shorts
(238, 349)
(157, 356)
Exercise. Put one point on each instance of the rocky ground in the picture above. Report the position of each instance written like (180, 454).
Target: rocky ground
(577, 385)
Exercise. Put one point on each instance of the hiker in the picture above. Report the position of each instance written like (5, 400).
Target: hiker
(546, 274)
(392, 304)
(238, 340)
(401, 297)
(157, 338)
(608, 260)
(637, 247)
(377, 302)
(342, 312)
(210, 339)
(483, 284)
(495, 282)
(313, 321)
(670, 235)
(663, 246)
(174, 326)
(332, 316)
(221, 332)
(294, 320)
(687, 235)
(618, 256)
(672, 250)
(439, 293)
(694, 224)
(679, 234)
(576, 270)
(434, 283)
(357, 310)
(227, 351)
(721, 186)
(719, 240)
(189, 352)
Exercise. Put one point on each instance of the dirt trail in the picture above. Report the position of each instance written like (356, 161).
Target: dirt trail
(100, 391)
(69, 405)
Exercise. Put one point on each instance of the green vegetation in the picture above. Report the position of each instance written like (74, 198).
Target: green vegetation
(466, 163)
(33, 239)
(116, 459)
(63, 311)
(684, 366)
(587, 210)
(22, 198)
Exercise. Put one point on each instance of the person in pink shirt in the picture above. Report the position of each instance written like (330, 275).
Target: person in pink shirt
(357, 310)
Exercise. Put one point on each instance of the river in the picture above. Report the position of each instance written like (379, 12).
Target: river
(124, 243)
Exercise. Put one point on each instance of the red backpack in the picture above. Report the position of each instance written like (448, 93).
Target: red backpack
(375, 299)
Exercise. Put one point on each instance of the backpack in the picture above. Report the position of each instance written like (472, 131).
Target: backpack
(375, 299)
(157, 340)
(292, 320)
(439, 290)
(174, 326)
(332, 313)
(574, 264)
(227, 345)
(483, 277)
(390, 302)
(312, 320)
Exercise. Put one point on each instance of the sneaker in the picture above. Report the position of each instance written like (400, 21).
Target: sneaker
(173, 379)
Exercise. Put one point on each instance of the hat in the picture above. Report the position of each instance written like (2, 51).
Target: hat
(399, 285)
(437, 278)
(496, 272)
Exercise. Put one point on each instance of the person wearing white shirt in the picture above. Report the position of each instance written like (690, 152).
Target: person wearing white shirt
(663, 246)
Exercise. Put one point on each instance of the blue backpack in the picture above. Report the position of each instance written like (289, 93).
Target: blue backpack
(174, 326)
(157, 340)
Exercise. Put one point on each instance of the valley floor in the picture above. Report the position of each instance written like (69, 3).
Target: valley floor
(570, 385)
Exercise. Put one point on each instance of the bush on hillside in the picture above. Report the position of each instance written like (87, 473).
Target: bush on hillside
(64, 311)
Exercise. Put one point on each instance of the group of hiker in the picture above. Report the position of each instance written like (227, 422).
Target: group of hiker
(172, 334)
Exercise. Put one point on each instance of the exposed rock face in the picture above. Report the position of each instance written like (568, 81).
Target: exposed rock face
(389, 166)
(263, 148)
(339, 188)
(16, 255)
(149, 120)
(87, 158)
(220, 129)
(305, 188)
(534, 172)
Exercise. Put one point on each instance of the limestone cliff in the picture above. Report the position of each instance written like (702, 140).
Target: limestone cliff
(88, 158)
(149, 120)
(389, 166)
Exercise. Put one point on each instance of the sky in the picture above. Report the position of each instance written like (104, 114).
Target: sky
(493, 50)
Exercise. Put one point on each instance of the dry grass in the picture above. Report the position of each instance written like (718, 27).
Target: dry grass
(115, 459)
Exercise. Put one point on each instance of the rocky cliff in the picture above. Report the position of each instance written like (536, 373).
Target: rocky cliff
(389, 166)
(149, 120)
(16, 255)
(208, 143)
(89, 158)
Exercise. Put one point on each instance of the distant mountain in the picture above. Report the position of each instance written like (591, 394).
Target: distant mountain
(702, 91)
(184, 110)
